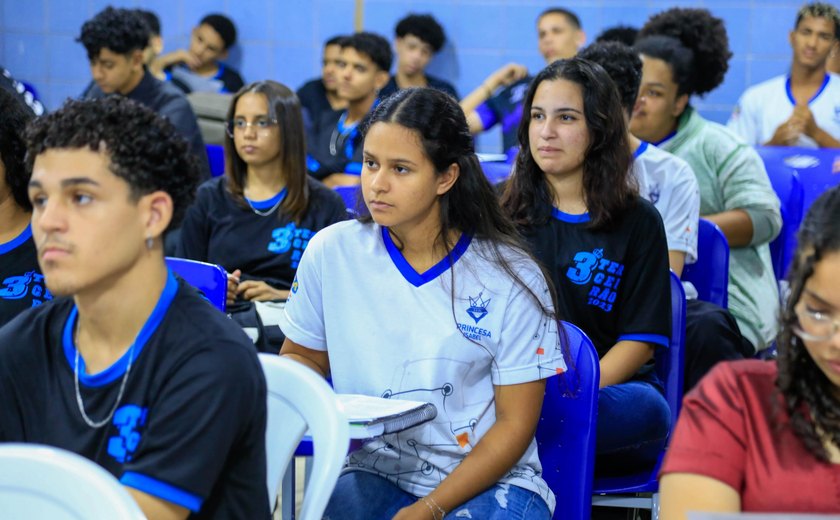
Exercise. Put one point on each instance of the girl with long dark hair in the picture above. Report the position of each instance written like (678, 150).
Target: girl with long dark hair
(574, 198)
(431, 297)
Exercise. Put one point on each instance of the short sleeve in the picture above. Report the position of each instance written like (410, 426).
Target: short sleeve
(742, 122)
(205, 412)
(530, 347)
(710, 437)
(682, 217)
(303, 320)
(487, 114)
(645, 302)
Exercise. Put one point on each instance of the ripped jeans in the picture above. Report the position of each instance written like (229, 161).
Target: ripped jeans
(360, 495)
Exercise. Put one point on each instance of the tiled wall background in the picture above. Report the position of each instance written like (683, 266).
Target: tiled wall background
(281, 39)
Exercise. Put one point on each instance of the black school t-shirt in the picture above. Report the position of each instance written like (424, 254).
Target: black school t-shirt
(190, 427)
(264, 247)
(613, 284)
(21, 282)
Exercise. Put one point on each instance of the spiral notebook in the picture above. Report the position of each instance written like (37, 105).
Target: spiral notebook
(374, 416)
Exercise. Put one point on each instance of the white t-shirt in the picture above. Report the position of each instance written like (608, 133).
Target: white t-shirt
(667, 182)
(390, 331)
(763, 107)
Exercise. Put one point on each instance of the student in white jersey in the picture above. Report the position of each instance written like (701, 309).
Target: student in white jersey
(431, 297)
(668, 182)
(802, 107)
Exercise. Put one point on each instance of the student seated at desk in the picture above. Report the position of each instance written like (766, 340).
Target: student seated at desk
(764, 436)
(467, 321)
(320, 95)
(21, 282)
(574, 198)
(128, 365)
(257, 220)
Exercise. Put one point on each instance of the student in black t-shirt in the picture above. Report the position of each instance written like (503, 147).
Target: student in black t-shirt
(257, 220)
(114, 40)
(130, 366)
(155, 46)
(334, 143)
(319, 96)
(199, 69)
(573, 196)
(419, 38)
(21, 282)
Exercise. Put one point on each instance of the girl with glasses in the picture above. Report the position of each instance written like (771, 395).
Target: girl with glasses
(765, 436)
(257, 219)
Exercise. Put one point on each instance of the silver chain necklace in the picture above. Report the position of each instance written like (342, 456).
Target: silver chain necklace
(264, 213)
(81, 404)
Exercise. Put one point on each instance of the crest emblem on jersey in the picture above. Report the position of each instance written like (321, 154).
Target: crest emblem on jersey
(653, 194)
(478, 307)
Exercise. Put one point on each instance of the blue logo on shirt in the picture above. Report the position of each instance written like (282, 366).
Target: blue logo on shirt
(128, 419)
(478, 307)
(604, 274)
(653, 194)
(17, 287)
(290, 237)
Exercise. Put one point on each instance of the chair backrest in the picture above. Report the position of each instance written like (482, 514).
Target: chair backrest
(210, 110)
(298, 399)
(788, 186)
(566, 431)
(496, 171)
(45, 482)
(352, 197)
(670, 362)
(209, 279)
(710, 273)
(216, 157)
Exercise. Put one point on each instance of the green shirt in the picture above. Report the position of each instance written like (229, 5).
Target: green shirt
(731, 175)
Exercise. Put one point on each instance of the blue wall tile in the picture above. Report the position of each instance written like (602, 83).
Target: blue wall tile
(25, 16)
(25, 56)
(64, 20)
(67, 59)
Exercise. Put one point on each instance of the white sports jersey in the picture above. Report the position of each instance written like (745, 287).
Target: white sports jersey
(763, 107)
(390, 331)
(667, 182)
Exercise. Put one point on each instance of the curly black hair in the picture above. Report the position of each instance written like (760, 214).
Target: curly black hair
(144, 149)
(622, 64)
(223, 26)
(119, 30)
(810, 398)
(13, 122)
(373, 46)
(423, 26)
(625, 34)
(701, 33)
(151, 20)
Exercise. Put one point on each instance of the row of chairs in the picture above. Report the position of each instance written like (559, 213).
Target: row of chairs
(565, 434)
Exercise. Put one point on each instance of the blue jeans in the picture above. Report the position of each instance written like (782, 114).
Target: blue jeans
(633, 424)
(360, 495)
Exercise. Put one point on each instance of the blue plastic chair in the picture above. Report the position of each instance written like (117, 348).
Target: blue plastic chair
(788, 186)
(209, 279)
(496, 171)
(566, 431)
(352, 196)
(710, 273)
(216, 157)
(622, 491)
(818, 170)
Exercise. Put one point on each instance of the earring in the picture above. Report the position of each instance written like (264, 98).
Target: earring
(149, 243)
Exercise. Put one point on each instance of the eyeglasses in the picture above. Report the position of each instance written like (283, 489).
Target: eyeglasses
(262, 125)
(815, 325)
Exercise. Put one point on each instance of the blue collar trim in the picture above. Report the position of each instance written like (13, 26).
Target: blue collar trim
(568, 217)
(669, 136)
(815, 96)
(268, 203)
(408, 272)
(116, 370)
(640, 150)
(25, 235)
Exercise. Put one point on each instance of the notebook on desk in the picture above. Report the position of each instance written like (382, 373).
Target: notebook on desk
(374, 416)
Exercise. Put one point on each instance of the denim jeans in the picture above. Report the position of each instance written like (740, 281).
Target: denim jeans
(633, 424)
(360, 495)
